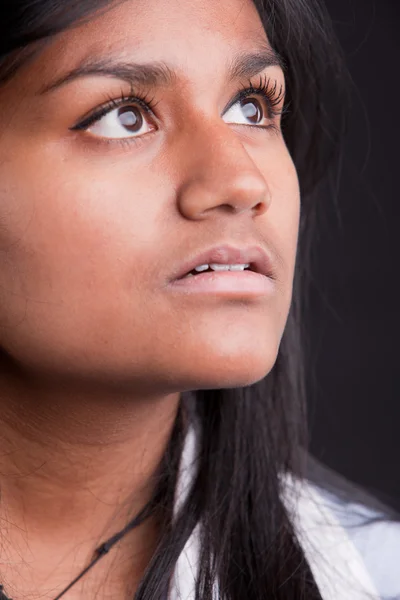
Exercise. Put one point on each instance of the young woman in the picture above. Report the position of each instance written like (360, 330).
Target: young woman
(159, 165)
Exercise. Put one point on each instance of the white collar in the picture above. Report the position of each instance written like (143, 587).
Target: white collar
(337, 566)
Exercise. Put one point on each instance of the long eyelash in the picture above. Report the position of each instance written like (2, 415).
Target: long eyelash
(269, 93)
(146, 103)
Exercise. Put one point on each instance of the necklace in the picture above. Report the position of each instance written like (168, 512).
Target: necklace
(105, 547)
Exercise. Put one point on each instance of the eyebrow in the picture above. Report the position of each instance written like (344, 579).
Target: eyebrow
(159, 74)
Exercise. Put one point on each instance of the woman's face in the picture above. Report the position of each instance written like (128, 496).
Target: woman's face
(95, 222)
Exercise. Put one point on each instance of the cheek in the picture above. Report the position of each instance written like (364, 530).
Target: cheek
(62, 228)
(282, 230)
(71, 253)
(283, 216)
(286, 216)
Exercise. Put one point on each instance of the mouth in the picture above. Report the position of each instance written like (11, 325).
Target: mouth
(227, 271)
(223, 259)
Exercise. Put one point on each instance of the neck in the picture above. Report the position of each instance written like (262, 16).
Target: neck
(76, 466)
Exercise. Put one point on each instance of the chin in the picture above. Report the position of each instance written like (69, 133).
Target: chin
(233, 370)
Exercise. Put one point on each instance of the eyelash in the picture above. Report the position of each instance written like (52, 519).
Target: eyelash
(263, 89)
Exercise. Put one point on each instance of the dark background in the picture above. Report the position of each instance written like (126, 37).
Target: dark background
(353, 315)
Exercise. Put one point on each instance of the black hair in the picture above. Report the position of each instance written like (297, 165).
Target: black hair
(248, 436)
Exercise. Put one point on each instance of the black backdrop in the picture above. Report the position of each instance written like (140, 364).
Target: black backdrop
(353, 314)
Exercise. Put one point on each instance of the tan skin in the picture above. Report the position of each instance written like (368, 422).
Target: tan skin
(96, 348)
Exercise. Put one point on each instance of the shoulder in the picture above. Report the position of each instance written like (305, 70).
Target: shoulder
(358, 535)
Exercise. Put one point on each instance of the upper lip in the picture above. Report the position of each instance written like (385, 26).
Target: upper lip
(256, 256)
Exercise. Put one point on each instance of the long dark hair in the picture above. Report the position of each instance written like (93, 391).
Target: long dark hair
(248, 436)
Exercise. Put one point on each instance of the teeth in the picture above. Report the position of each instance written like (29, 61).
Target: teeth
(201, 268)
(218, 267)
(238, 267)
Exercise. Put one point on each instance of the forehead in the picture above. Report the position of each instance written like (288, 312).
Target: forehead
(177, 18)
(178, 32)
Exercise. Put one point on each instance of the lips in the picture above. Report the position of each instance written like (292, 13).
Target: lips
(256, 256)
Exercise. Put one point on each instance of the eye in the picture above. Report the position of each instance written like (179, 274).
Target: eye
(258, 105)
(247, 112)
(121, 122)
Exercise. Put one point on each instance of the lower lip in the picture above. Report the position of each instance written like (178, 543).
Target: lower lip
(227, 283)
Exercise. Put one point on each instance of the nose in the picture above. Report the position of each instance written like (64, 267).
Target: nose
(220, 176)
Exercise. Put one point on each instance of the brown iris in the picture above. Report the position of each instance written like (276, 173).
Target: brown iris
(252, 109)
(131, 118)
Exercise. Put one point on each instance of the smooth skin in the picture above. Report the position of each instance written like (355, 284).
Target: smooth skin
(96, 347)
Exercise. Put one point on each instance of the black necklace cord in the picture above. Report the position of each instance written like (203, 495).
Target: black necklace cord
(2, 594)
(106, 546)
(160, 500)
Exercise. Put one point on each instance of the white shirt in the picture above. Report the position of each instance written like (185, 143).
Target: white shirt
(349, 561)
